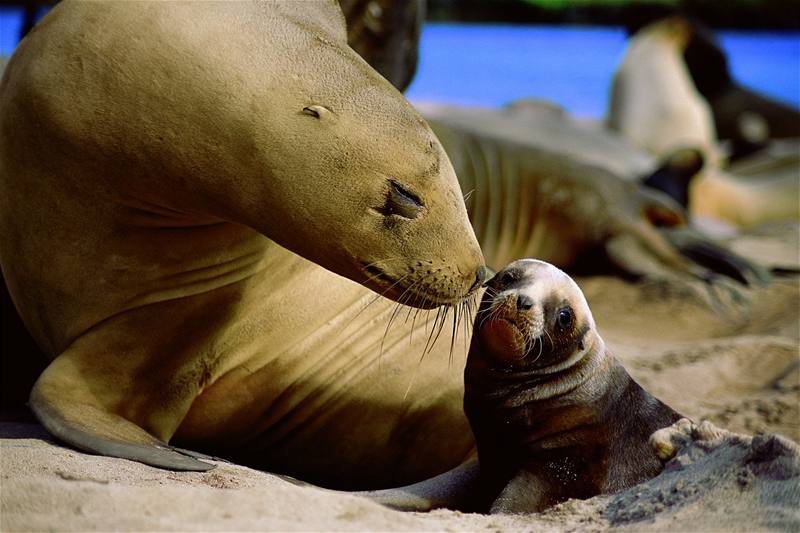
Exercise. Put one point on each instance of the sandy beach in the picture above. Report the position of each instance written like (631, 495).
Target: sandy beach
(738, 368)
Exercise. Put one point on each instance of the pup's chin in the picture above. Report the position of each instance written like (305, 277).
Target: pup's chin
(503, 339)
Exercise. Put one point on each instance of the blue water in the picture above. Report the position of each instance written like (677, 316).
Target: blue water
(490, 65)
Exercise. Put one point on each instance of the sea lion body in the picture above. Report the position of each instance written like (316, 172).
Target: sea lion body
(554, 414)
(544, 187)
(747, 118)
(654, 103)
(156, 169)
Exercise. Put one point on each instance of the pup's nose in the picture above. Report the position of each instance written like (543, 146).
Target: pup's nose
(524, 302)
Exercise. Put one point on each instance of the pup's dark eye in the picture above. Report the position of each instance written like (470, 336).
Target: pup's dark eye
(401, 201)
(564, 318)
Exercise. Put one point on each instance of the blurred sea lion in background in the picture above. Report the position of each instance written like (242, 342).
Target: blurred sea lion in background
(745, 117)
(386, 34)
(655, 105)
(546, 187)
(742, 116)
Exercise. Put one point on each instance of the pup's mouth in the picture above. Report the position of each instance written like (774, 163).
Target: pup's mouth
(503, 333)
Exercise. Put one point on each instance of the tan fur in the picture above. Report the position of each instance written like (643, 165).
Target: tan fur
(156, 160)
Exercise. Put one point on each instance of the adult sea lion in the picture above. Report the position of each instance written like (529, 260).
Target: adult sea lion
(554, 414)
(655, 105)
(150, 182)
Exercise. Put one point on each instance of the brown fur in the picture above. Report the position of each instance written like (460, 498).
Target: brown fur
(546, 434)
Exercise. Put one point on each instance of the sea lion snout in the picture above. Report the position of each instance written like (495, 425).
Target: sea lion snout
(534, 314)
(482, 277)
(524, 302)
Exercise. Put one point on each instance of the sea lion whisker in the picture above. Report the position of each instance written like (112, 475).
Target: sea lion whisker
(433, 330)
(550, 339)
(413, 324)
(473, 307)
(371, 267)
(438, 326)
(441, 326)
(375, 299)
(491, 312)
(468, 194)
(454, 332)
(467, 317)
(396, 308)
(541, 350)
(464, 318)
(471, 304)
(401, 301)
(382, 261)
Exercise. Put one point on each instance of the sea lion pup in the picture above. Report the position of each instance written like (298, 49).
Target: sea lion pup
(554, 414)
(177, 221)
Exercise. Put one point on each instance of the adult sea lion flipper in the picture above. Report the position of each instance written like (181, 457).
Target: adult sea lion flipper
(653, 241)
(706, 252)
(96, 430)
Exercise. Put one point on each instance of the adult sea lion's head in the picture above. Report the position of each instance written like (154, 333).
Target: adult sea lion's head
(278, 125)
(373, 196)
